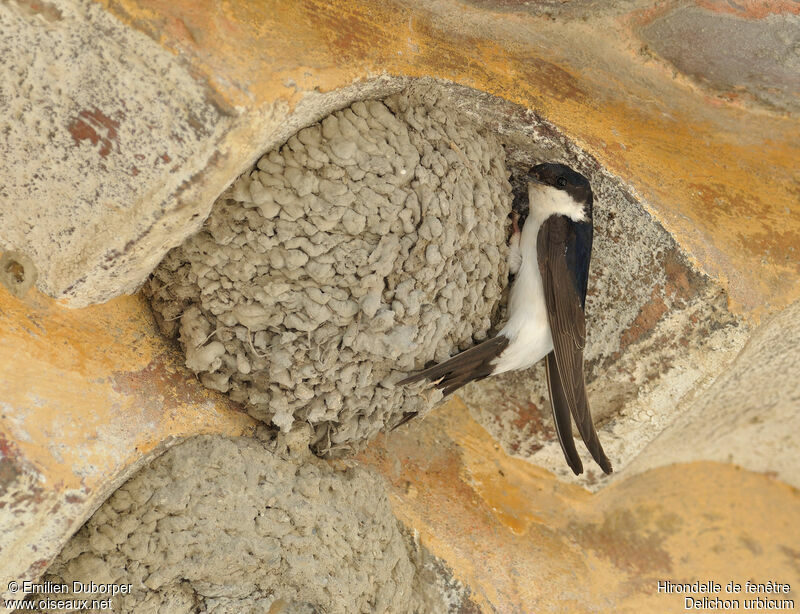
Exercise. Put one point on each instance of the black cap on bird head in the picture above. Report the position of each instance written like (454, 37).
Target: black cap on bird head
(562, 177)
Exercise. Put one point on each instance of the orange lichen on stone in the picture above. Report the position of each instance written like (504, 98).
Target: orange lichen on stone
(86, 396)
(526, 542)
(90, 391)
(656, 131)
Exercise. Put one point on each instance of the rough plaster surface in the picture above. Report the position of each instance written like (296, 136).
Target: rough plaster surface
(113, 151)
(235, 525)
(96, 121)
(733, 54)
(370, 243)
(749, 416)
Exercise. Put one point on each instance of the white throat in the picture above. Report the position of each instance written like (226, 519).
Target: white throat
(545, 200)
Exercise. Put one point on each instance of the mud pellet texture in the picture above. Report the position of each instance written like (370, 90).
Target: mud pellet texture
(369, 244)
(231, 525)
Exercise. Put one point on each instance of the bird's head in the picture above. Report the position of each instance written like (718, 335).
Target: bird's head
(555, 189)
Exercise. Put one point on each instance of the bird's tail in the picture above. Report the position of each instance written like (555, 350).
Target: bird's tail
(560, 402)
(470, 365)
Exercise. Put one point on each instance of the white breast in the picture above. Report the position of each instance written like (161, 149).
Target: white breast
(527, 326)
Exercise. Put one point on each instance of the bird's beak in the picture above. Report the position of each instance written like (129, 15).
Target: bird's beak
(535, 179)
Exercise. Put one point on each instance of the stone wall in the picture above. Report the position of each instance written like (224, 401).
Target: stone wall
(125, 121)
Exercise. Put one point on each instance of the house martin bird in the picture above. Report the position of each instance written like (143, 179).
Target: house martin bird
(550, 259)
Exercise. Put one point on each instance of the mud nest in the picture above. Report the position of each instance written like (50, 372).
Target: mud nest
(369, 244)
(229, 525)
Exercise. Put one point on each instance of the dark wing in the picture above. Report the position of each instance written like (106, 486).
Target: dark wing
(468, 366)
(558, 401)
(563, 256)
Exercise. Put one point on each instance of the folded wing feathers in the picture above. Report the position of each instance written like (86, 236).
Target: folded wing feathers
(568, 329)
(473, 364)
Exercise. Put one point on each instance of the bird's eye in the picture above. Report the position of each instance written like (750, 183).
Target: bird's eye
(561, 182)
